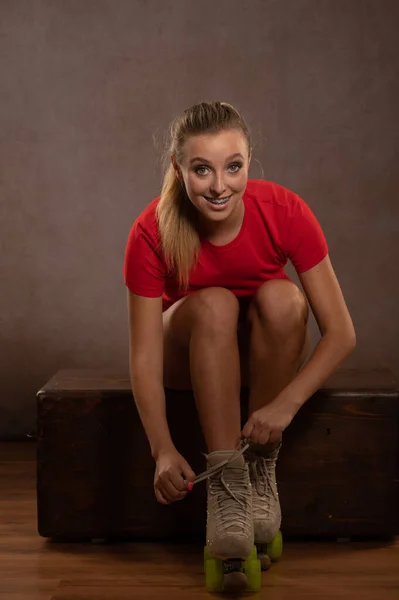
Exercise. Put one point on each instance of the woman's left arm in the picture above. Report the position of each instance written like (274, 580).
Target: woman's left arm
(338, 337)
(337, 341)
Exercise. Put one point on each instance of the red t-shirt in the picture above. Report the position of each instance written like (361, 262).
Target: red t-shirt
(278, 226)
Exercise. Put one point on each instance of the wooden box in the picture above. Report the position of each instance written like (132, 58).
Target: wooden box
(336, 470)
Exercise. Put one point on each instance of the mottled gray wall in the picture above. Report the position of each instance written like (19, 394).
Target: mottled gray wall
(88, 89)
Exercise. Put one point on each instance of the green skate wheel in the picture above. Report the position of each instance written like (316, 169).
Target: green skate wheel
(275, 547)
(253, 555)
(207, 555)
(253, 572)
(214, 575)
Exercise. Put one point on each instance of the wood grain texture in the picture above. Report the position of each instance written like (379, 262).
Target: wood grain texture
(32, 568)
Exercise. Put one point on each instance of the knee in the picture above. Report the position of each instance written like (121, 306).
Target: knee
(216, 309)
(281, 305)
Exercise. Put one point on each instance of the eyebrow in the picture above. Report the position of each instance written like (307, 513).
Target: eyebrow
(204, 160)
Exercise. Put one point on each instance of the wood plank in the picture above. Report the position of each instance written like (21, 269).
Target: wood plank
(89, 381)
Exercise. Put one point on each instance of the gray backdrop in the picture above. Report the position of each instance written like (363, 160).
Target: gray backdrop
(88, 89)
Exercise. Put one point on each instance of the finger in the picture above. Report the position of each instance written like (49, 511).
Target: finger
(160, 497)
(177, 481)
(168, 497)
(274, 437)
(164, 491)
(260, 435)
(188, 473)
(170, 491)
(264, 437)
(248, 429)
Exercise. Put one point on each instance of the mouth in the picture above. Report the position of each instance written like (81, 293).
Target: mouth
(218, 201)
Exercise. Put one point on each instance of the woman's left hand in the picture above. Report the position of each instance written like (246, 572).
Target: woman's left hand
(267, 424)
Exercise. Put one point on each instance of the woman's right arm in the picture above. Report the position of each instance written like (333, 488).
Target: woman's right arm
(146, 369)
(172, 473)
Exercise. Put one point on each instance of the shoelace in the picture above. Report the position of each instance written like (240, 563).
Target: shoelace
(263, 479)
(227, 511)
(241, 448)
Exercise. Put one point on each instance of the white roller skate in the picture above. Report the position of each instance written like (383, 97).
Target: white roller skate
(265, 503)
(230, 557)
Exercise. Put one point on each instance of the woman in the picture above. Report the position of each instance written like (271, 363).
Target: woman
(211, 308)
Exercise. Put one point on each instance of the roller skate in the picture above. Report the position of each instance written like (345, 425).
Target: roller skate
(230, 557)
(266, 504)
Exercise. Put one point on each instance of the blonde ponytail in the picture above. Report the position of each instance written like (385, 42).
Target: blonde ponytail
(176, 216)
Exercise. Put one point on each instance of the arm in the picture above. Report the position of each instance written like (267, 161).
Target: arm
(146, 368)
(335, 324)
(337, 342)
(172, 473)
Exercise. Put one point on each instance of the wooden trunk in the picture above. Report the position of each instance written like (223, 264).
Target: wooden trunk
(336, 471)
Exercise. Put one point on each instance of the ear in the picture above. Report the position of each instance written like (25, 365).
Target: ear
(176, 168)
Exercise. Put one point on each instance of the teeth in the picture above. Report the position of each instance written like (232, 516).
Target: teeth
(219, 201)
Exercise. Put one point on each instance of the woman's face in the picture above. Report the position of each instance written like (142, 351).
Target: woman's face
(215, 172)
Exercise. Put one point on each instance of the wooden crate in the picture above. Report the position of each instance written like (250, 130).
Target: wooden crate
(336, 470)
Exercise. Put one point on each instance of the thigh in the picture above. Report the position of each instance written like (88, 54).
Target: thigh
(217, 304)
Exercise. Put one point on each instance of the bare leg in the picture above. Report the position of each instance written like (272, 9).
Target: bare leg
(200, 338)
(279, 339)
(201, 349)
(278, 346)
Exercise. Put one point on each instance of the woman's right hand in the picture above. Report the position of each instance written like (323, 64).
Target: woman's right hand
(172, 474)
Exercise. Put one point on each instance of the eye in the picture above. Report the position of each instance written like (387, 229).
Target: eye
(236, 167)
(200, 170)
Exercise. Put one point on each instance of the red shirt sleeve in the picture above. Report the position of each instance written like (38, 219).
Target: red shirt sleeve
(304, 242)
(144, 269)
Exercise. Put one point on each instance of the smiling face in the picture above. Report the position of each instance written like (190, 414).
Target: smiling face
(214, 169)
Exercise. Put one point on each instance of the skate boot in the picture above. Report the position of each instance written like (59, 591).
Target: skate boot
(230, 529)
(230, 557)
(265, 500)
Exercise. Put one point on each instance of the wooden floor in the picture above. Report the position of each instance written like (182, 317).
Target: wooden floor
(31, 568)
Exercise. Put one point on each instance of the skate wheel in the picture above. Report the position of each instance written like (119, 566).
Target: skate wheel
(207, 555)
(275, 547)
(235, 582)
(253, 555)
(214, 575)
(265, 561)
(252, 570)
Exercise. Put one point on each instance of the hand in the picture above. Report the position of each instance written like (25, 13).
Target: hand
(267, 424)
(170, 474)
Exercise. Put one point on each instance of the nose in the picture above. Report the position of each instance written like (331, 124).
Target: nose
(218, 186)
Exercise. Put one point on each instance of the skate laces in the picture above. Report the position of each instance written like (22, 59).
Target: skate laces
(231, 496)
(242, 447)
(230, 499)
(262, 471)
(262, 477)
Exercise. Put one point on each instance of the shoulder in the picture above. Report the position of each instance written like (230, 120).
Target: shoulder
(146, 223)
(269, 195)
(269, 192)
(147, 218)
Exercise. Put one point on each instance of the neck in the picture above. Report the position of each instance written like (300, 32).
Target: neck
(228, 228)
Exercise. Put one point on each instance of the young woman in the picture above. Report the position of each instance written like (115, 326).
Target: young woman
(211, 308)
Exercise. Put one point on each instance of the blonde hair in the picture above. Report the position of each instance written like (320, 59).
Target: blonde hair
(176, 215)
